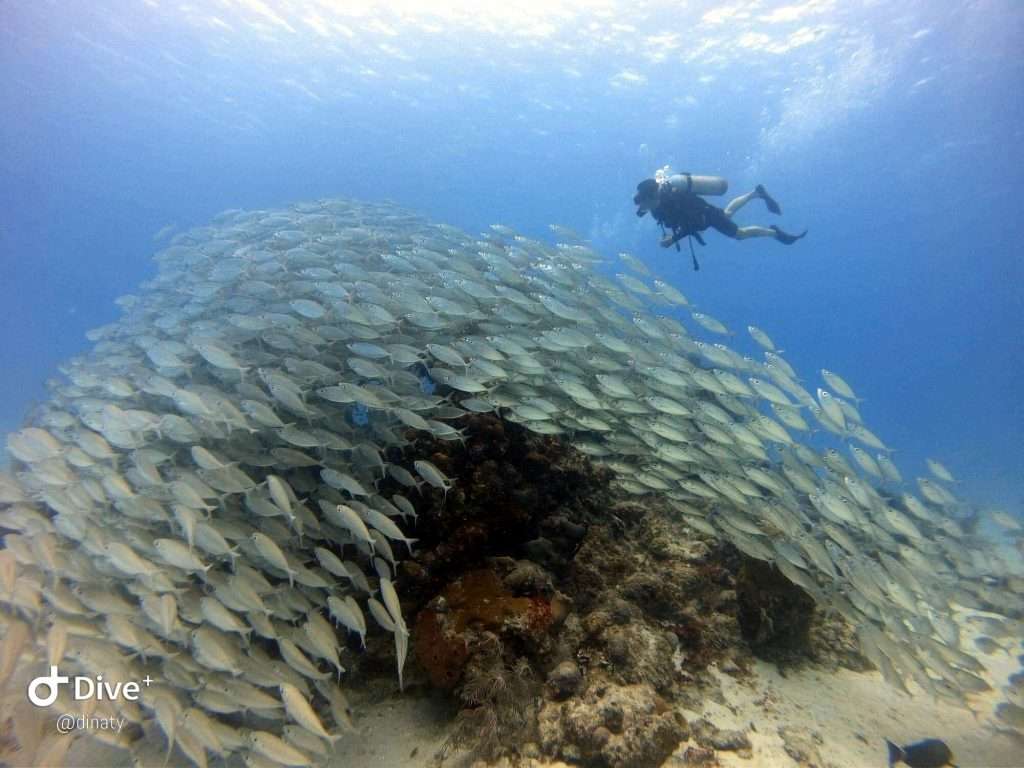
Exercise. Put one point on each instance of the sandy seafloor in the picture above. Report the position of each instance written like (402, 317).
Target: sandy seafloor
(847, 714)
(852, 712)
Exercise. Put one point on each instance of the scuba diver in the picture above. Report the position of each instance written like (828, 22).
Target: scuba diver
(675, 202)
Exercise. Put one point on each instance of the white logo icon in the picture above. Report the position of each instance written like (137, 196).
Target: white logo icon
(52, 682)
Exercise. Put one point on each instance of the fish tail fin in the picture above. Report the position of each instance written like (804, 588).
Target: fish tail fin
(895, 753)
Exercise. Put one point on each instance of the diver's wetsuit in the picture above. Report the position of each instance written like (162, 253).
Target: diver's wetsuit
(685, 213)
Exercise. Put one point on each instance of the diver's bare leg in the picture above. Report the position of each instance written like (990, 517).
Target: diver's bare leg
(744, 233)
(739, 202)
(758, 192)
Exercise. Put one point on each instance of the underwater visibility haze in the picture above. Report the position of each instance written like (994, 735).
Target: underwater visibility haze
(891, 131)
(251, 394)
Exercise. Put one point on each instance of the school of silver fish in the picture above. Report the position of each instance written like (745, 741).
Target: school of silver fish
(208, 473)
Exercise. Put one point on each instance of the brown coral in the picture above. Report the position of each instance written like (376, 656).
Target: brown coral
(478, 601)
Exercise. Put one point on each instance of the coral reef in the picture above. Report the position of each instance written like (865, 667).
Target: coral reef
(671, 587)
(618, 726)
(516, 494)
(565, 623)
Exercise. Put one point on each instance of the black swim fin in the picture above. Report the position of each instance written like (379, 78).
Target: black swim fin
(785, 237)
(768, 199)
(895, 753)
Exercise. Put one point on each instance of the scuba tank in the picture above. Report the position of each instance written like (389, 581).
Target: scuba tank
(698, 185)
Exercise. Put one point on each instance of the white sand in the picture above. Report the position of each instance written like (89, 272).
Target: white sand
(853, 712)
(396, 730)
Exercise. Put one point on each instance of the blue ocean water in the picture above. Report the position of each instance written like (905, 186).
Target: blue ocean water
(892, 131)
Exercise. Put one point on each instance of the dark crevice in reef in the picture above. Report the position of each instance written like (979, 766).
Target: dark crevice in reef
(780, 622)
(774, 615)
(517, 494)
(566, 622)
